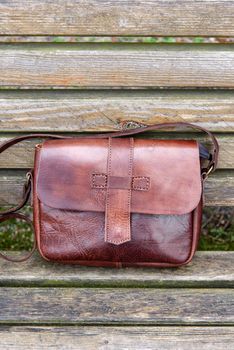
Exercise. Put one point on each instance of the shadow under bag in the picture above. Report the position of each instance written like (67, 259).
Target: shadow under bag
(113, 200)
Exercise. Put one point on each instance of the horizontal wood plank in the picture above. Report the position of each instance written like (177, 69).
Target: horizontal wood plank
(207, 270)
(22, 154)
(116, 66)
(166, 18)
(147, 306)
(74, 111)
(131, 338)
(219, 188)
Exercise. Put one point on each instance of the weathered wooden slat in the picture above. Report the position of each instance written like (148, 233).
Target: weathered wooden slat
(219, 188)
(61, 111)
(22, 155)
(116, 66)
(207, 270)
(147, 306)
(166, 18)
(131, 338)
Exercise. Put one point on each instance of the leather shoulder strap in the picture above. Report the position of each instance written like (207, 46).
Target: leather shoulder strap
(214, 155)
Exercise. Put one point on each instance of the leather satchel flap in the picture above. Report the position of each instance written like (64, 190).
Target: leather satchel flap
(119, 176)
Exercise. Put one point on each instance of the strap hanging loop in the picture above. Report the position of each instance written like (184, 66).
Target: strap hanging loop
(27, 219)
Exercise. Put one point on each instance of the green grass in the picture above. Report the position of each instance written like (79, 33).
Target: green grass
(217, 229)
(16, 235)
(217, 232)
(217, 239)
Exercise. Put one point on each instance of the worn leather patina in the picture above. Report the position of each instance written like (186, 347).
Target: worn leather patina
(90, 211)
(113, 200)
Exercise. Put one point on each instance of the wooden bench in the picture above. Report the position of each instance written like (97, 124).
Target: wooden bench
(52, 82)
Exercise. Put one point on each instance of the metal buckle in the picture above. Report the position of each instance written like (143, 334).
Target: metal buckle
(28, 178)
(27, 182)
(205, 174)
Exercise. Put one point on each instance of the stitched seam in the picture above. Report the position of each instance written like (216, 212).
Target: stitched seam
(129, 191)
(108, 191)
(38, 166)
(130, 174)
(133, 186)
(146, 188)
(131, 148)
(94, 176)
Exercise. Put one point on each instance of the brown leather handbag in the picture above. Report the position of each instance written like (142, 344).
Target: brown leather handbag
(113, 200)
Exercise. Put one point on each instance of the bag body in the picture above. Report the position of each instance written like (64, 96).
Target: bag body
(118, 201)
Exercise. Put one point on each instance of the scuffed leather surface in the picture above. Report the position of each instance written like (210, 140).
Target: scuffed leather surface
(76, 236)
(65, 171)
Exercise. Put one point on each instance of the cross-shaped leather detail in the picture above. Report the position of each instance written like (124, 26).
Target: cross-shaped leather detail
(119, 183)
(137, 183)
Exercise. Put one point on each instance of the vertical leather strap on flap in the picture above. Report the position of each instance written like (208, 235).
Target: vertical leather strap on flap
(118, 195)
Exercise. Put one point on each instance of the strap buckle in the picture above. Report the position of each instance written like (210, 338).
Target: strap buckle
(207, 172)
(28, 181)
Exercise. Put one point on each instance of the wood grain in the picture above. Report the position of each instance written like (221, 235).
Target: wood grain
(74, 111)
(112, 338)
(116, 66)
(22, 155)
(164, 18)
(117, 306)
(207, 270)
(219, 188)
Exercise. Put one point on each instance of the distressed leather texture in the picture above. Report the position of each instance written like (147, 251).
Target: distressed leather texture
(65, 171)
(117, 202)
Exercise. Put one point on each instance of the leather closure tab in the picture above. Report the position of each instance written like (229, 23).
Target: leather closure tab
(118, 194)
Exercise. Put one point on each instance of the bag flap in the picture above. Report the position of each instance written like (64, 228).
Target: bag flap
(73, 174)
